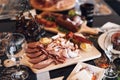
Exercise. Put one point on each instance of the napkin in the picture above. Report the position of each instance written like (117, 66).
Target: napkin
(107, 26)
(43, 76)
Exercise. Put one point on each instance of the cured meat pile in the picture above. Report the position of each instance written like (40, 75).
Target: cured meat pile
(54, 20)
(38, 55)
(57, 51)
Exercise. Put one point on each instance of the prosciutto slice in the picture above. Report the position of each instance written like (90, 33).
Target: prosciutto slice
(43, 64)
(34, 55)
(38, 59)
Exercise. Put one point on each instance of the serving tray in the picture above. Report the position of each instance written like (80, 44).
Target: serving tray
(83, 56)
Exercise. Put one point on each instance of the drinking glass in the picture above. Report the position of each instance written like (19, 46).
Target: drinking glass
(15, 52)
(80, 2)
(110, 44)
(87, 11)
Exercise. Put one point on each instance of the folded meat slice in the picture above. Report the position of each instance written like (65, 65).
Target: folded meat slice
(38, 59)
(57, 59)
(43, 64)
(34, 55)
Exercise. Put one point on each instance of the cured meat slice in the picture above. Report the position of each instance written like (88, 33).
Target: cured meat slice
(32, 45)
(28, 50)
(33, 55)
(47, 23)
(38, 59)
(66, 24)
(43, 64)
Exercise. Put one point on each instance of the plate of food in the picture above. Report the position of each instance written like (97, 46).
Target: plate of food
(59, 51)
(63, 23)
(83, 71)
(52, 5)
(115, 35)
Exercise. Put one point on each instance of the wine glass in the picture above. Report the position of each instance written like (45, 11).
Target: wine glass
(15, 52)
(110, 43)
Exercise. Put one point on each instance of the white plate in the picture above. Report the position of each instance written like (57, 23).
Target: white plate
(99, 72)
(101, 41)
(68, 4)
(83, 56)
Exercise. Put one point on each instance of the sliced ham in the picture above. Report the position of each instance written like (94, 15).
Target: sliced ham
(43, 64)
(34, 55)
(38, 59)
(28, 50)
(32, 45)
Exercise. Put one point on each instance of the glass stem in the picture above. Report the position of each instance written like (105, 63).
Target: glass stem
(111, 62)
(18, 63)
(111, 72)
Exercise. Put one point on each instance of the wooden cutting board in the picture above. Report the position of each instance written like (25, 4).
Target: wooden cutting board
(83, 56)
(84, 29)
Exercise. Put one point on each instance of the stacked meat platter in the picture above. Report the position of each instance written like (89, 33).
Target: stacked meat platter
(59, 51)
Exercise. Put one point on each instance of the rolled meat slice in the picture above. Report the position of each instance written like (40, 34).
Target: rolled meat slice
(43, 64)
(38, 59)
(34, 55)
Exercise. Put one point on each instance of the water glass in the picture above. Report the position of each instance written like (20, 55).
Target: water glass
(15, 52)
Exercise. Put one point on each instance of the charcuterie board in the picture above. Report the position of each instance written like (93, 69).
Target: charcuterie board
(82, 56)
(84, 29)
(59, 23)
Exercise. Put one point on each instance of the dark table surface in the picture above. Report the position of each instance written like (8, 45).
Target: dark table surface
(8, 25)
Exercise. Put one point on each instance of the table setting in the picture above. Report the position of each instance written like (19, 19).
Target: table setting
(59, 43)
